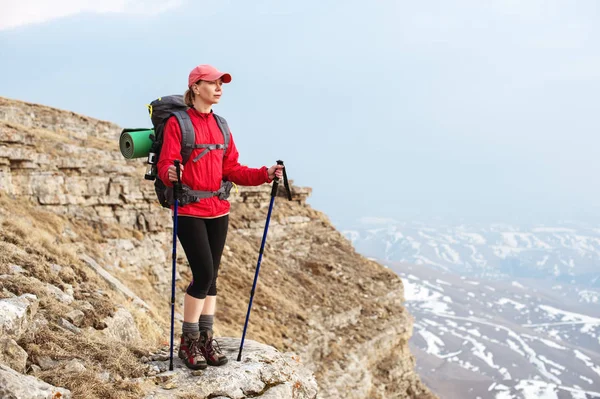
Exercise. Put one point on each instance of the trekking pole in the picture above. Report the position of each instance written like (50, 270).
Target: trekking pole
(262, 248)
(176, 192)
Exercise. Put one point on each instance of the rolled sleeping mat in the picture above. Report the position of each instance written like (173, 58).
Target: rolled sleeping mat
(135, 143)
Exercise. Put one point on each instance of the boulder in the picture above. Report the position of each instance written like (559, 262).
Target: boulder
(15, 385)
(16, 313)
(12, 355)
(122, 327)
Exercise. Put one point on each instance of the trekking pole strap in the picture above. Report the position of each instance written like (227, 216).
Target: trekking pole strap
(286, 184)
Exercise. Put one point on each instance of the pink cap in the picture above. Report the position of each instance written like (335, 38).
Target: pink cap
(207, 72)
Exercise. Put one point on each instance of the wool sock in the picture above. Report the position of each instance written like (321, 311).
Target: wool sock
(206, 322)
(190, 328)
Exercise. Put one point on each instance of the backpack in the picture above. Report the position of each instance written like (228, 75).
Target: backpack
(160, 111)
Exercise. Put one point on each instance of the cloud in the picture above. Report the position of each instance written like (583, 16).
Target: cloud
(27, 12)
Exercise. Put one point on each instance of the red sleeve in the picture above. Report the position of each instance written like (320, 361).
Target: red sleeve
(170, 151)
(240, 174)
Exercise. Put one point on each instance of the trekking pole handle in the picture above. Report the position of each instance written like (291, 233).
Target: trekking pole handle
(275, 182)
(178, 171)
(177, 185)
(286, 183)
(279, 162)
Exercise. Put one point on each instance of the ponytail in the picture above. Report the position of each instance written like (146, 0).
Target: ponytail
(188, 98)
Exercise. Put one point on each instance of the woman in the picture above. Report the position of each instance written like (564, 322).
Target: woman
(202, 225)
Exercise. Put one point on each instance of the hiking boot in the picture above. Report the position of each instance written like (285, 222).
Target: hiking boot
(210, 349)
(189, 351)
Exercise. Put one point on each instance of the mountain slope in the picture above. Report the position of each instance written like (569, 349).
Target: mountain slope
(316, 296)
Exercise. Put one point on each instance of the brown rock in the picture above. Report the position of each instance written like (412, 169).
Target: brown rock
(12, 354)
(76, 317)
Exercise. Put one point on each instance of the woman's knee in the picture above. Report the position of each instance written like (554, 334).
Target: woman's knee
(212, 291)
(199, 290)
(203, 277)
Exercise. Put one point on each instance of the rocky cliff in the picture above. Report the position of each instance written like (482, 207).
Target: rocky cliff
(85, 275)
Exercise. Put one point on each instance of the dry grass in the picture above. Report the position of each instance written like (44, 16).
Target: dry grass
(46, 140)
(97, 352)
(144, 285)
(88, 385)
(189, 396)
(147, 326)
(98, 143)
(93, 347)
(34, 240)
(37, 232)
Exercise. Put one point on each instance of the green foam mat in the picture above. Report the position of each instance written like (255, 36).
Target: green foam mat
(135, 143)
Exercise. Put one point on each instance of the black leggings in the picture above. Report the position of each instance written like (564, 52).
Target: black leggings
(203, 241)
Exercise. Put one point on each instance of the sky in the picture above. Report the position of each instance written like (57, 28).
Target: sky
(461, 111)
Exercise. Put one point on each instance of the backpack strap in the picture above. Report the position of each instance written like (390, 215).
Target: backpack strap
(224, 128)
(207, 148)
(222, 123)
(188, 135)
(188, 195)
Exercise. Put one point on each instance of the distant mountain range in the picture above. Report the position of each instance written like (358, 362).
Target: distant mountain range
(563, 254)
(500, 339)
(501, 311)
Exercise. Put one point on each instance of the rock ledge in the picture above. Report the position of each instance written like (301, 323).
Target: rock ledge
(263, 372)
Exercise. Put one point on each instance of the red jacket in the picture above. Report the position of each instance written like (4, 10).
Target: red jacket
(207, 173)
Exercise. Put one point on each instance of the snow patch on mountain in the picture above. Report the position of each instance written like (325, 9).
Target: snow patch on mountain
(494, 251)
(530, 346)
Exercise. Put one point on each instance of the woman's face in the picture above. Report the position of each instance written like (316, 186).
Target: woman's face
(209, 92)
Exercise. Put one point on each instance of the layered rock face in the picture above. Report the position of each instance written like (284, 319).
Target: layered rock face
(316, 297)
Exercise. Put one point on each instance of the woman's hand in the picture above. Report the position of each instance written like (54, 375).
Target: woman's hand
(275, 171)
(173, 173)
